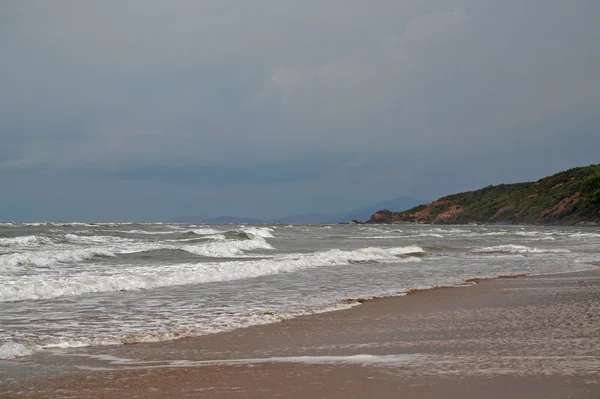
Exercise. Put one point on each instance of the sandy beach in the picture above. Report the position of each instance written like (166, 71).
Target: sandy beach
(526, 337)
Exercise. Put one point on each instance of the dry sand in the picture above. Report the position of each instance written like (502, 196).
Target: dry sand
(530, 337)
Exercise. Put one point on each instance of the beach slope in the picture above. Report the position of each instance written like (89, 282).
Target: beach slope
(529, 337)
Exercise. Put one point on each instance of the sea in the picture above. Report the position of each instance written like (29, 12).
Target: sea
(71, 285)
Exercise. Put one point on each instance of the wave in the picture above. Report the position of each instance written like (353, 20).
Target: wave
(581, 235)
(206, 231)
(199, 231)
(79, 239)
(536, 235)
(518, 249)
(227, 248)
(55, 224)
(74, 224)
(69, 248)
(141, 232)
(531, 233)
(217, 247)
(50, 258)
(387, 252)
(222, 249)
(264, 232)
(25, 240)
(34, 240)
(147, 277)
(374, 237)
(159, 254)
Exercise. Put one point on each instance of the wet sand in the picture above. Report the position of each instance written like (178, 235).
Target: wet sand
(529, 337)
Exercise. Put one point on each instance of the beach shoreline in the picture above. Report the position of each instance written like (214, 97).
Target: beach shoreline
(532, 336)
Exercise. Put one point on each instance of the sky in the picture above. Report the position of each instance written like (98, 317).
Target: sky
(145, 110)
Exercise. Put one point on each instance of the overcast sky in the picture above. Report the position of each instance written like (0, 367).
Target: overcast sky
(148, 110)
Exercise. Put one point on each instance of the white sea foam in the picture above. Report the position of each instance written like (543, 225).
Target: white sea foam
(110, 246)
(226, 323)
(535, 235)
(143, 232)
(215, 237)
(33, 240)
(145, 277)
(359, 359)
(179, 230)
(11, 350)
(519, 249)
(207, 231)
(264, 232)
(585, 235)
(25, 240)
(78, 239)
(227, 248)
(386, 253)
(49, 258)
(373, 237)
(70, 224)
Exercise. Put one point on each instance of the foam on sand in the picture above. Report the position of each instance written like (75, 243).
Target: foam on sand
(11, 350)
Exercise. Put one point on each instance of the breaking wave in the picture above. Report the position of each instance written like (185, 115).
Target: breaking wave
(146, 277)
(228, 248)
(264, 232)
(49, 258)
(24, 240)
(72, 248)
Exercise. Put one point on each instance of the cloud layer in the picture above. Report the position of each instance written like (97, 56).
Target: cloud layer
(147, 110)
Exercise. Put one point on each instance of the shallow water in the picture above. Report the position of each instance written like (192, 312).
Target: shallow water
(71, 285)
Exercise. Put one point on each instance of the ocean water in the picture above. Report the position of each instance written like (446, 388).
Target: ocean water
(78, 284)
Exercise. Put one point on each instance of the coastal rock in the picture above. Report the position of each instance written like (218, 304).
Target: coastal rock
(450, 213)
(562, 206)
(504, 209)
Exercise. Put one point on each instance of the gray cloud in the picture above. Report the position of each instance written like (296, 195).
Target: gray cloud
(286, 107)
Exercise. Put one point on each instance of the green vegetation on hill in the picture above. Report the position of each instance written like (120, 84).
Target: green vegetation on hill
(568, 197)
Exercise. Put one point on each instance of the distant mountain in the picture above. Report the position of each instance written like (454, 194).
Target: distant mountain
(307, 218)
(233, 219)
(311, 218)
(567, 198)
(216, 220)
(192, 219)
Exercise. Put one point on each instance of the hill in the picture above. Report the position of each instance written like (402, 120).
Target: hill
(569, 197)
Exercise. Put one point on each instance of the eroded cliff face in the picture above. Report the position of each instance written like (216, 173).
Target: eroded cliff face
(427, 215)
(570, 197)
